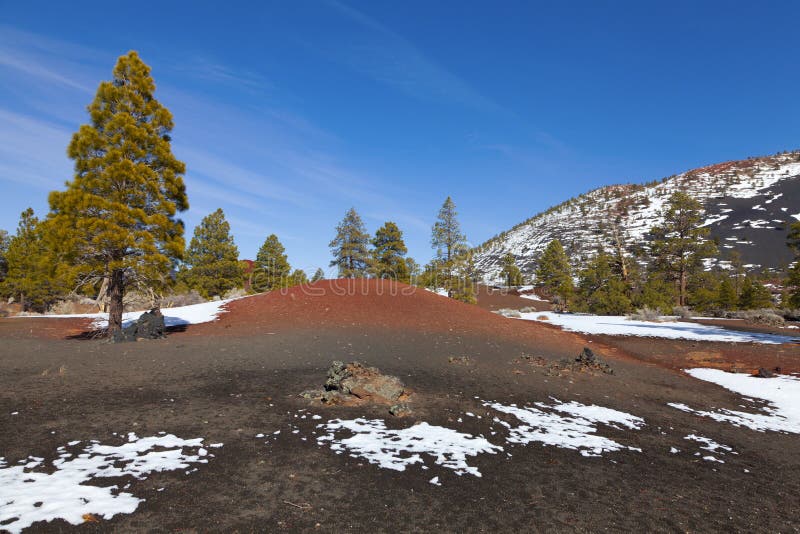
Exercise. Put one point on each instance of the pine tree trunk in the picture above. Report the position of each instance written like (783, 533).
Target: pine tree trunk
(116, 290)
(682, 295)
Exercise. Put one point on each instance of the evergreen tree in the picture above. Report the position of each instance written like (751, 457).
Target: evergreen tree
(116, 218)
(413, 270)
(272, 267)
(298, 277)
(554, 274)
(737, 271)
(350, 247)
(679, 244)
(446, 237)
(4, 242)
(793, 280)
(754, 295)
(212, 257)
(453, 263)
(510, 273)
(600, 290)
(388, 253)
(32, 279)
(656, 293)
(703, 290)
(726, 294)
(460, 283)
(319, 274)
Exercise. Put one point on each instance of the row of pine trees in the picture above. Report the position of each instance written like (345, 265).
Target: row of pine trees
(673, 275)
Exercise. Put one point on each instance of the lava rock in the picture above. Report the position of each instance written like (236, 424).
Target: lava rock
(150, 325)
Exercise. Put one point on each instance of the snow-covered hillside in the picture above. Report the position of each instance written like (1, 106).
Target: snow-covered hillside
(749, 205)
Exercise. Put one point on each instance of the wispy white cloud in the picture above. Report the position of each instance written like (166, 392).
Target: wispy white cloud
(390, 58)
(46, 60)
(206, 69)
(33, 151)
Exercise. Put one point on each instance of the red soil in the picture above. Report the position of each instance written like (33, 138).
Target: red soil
(383, 304)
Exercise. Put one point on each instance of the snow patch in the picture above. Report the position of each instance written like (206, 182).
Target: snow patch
(204, 312)
(399, 448)
(782, 392)
(617, 325)
(577, 430)
(31, 492)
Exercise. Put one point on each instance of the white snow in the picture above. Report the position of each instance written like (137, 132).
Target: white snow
(204, 312)
(782, 393)
(31, 492)
(711, 446)
(532, 296)
(618, 325)
(577, 430)
(399, 448)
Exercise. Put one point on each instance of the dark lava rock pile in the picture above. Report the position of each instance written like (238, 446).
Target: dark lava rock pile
(353, 383)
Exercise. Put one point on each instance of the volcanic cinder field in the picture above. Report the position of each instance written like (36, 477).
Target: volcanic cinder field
(205, 430)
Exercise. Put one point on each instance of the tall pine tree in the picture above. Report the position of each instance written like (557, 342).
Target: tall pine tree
(446, 238)
(680, 244)
(350, 247)
(388, 253)
(212, 257)
(554, 274)
(272, 269)
(117, 215)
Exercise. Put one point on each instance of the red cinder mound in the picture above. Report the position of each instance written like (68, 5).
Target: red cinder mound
(354, 303)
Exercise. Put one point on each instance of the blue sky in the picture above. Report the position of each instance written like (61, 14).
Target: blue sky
(289, 113)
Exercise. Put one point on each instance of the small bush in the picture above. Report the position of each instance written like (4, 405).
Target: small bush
(235, 293)
(181, 299)
(764, 316)
(645, 314)
(74, 304)
(505, 312)
(527, 309)
(682, 312)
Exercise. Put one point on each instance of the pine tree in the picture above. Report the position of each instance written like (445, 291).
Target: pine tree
(793, 280)
(703, 290)
(453, 259)
(656, 293)
(554, 274)
(388, 253)
(460, 284)
(510, 273)
(600, 290)
(4, 242)
(726, 294)
(413, 270)
(272, 268)
(350, 247)
(446, 237)
(212, 257)
(32, 279)
(319, 274)
(298, 277)
(116, 218)
(679, 244)
(737, 271)
(754, 295)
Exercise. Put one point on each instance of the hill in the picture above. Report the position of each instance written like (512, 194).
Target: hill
(749, 205)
